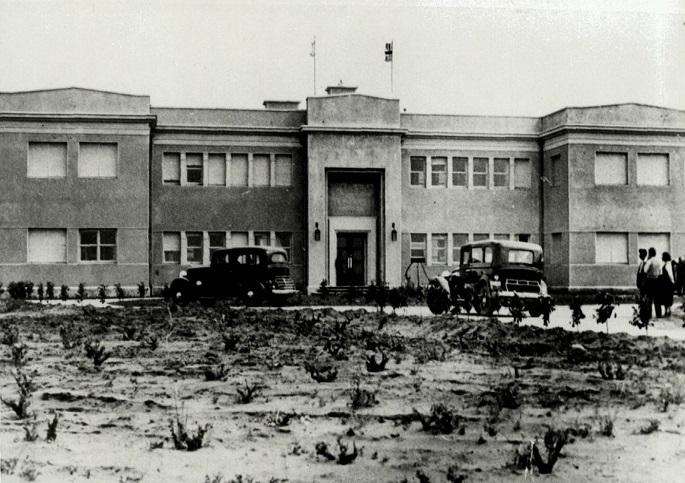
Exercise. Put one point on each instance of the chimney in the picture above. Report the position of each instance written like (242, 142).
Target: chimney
(282, 105)
(340, 89)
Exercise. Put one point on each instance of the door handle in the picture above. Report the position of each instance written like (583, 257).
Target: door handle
(349, 262)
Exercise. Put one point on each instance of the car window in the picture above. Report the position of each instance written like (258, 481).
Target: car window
(520, 256)
(477, 255)
(247, 259)
(221, 259)
(278, 258)
(465, 257)
(488, 255)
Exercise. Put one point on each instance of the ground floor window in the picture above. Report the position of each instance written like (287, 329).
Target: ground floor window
(439, 248)
(480, 236)
(523, 237)
(285, 241)
(98, 245)
(458, 239)
(417, 247)
(171, 246)
(661, 242)
(194, 246)
(47, 245)
(501, 236)
(262, 238)
(239, 239)
(611, 248)
(217, 241)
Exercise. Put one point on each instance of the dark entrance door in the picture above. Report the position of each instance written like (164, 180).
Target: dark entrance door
(350, 259)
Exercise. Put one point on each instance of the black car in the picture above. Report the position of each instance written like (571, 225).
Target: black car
(491, 274)
(251, 274)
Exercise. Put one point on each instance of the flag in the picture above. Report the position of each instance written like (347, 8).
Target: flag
(313, 52)
(388, 52)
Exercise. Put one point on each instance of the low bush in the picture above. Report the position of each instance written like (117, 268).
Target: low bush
(528, 456)
(183, 440)
(50, 291)
(64, 293)
(376, 361)
(19, 354)
(344, 457)
(10, 334)
(247, 395)
(321, 372)
(442, 419)
(97, 352)
(359, 397)
(652, 426)
(21, 405)
(51, 435)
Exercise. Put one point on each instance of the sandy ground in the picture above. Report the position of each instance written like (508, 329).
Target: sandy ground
(503, 384)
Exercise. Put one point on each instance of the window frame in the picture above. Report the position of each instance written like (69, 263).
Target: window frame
(475, 173)
(264, 157)
(116, 160)
(98, 245)
(288, 248)
(195, 167)
(456, 249)
(190, 247)
(422, 174)
(281, 156)
(242, 156)
(414, 245)
(623, 235)
(30, 261)
(213, 248)
(176, 181)
(456, 172)
(668, 169)
(529, 179)
(66, 159)
(165, 251)
(437, 249)
(435, 161)
(506, 173)
(210, 158)
(626, 165)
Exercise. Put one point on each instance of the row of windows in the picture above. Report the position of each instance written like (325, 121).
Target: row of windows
(49, 160)
(653, 169)
(443, 249)
(50, 245)
(470, 172)
(227, 169)
(612, 248)
(196, 247)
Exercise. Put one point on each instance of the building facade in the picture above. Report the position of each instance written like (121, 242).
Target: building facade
(102, 188)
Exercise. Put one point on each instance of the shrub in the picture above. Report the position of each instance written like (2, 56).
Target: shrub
(652, 426)
(19, 352)
(30, 431)
(182, 439)
(529, 456)
(95, 351)
(606, 425)
(141, 289)
(608, 371)
(576, 311)
(669, 394)
(442, 419)
(81, 292)
(359, 397)
(41, 292)
(323, 289)
(374, 364)
(10, 334)
(230, 341)
(50, 291)
(120, 291)
(321, 372)
(217, 372)
(71, 335)
(343, 458)
(51, 435)
(605, 310)
(21, 405)
(102, 293)
(20, 290)
(430, 351)
(642, 315)
(64, 292)
(398, 297)
(248, 394)
(517, 309)
(547, 307)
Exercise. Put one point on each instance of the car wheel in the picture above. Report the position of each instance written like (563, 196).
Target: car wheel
(180, 293)
(483, 301)
(437, 300)
(535, 310)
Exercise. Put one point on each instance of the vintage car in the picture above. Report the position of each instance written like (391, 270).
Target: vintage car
(251, 274)
(492, 273)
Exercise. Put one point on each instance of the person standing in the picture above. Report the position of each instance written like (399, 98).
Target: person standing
(666, 284)
(680, 276)
(640, 278)
(652, 269)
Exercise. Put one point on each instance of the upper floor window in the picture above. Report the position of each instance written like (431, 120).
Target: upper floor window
(98, 245)
(417, 172)
(262, 238)
(439, 248)
(171, 247)
(500, 177)
(460, 168)
(216, 169)
(97, 160)
(480, 236)
(523, 237)
(439, 171)
(556, 170)
(171, 168)
(480, 172)
(238, 169)
(611, 169)
(47, 245)
(611, 248)
(283, 170)
(261, 170)
(47, 160)
(522, 173)
(417, 247)
(194, 168)
(652, 169)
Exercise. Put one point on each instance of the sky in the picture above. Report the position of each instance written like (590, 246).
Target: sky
(516, 57)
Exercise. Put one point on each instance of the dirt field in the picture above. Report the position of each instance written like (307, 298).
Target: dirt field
(495, 388)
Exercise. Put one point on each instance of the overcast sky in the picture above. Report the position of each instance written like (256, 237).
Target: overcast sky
(515, 57)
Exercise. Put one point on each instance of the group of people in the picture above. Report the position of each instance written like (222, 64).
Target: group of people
(657, 280)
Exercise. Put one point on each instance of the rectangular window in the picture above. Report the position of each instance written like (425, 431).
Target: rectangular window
(417, 247)
(661, 242)
(98, 245)
(439, 248)
(555, 257)
(501, 173)
(194, 168)
(171, 246)
(262, 238)
(238, 174)
(439, 171)
(522, 174)
(97, 160)
(239, 239)
(194, 246)
(47, 246)
(652, 169)
(611, 169)
(47, 160)
(459, 171)
(458, 239)
(501, 236)
(523, 237)
(285, 240)
(480, 172)
(171, 168)
(481, 236)
(417, 173)
(611, 248)
(555, 175)
(284, 170)
(261, 170)
(216, 169)
(217, 241)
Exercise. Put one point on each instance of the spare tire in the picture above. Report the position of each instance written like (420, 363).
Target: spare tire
(437, 300)
(180, 292)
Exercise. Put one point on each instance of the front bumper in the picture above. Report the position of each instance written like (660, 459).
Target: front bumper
(284, 291)
(504, 294)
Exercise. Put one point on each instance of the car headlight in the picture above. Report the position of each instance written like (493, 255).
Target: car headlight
(495, 277)
(543, 288)
(445, 274)
(183, 274)
(198, 283)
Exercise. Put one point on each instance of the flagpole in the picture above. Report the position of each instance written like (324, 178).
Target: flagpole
(392, 68)
(313, 54)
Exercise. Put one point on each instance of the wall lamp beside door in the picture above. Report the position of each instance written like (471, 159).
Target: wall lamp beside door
(393, 233)
(317, 232)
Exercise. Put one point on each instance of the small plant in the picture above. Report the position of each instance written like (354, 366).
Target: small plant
(609, 372)
(398, 297)
(184, 441)
(21, 405)
(376, 361)
(217, 372)
(71, 335)
(577, 314)
(642, 315)
(30, 431)
(50, 291)
(230, 341)
(96, 351)
(149, 341)
(119, 290)
(41, 292)
(51, 435)
(247, 395)
(442, 419)
(323, 289)
(19, 352)
(530, 457)
(321, 372)
(359, 397)
(605, 309)
(652, 426)
(102, 293)
(336, 346)
(20, 290)
(606, 425)
(669, 395)
(343, 458)
(454, 475)
(141, 289)
(81, 292)
(431, 351)
(64, 293)
(517, 309)
(10, 335)
(546, 307)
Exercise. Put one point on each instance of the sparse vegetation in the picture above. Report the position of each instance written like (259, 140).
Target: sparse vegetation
(577, 314)
(360, 397)
(321, 372)
(247, 394)
(183, 440)
(605, 310)
(21, 405)
(50, 290)
(51, 435)
(442, 419)
(64, 293)
(19, 354)
(71, 335)
(96, 352)
(344, 457)
(651, 426)
(30, 431)
(10, 334)
(141, 289)
(528, 456)
(81, 292)
(119, 291)
(376, 361)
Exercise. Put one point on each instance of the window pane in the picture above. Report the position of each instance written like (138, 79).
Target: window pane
(97, 160)
(480, 236)
(661, 242)
(194, 168)
(171, 245)
(477, 255)
(458, 239)
(216, 169)
(47, 160)
(194, 247)
(217, 239)
(611, 169)
(47, 246)
(459, 171)
(522, 174)
(238, 238)
(108, 237)
(501, 174)
(523, 237)
(171, 168)
(262, 238)
(417, 173)
(520, 256)
(284, 240)
(439, 248)
(108, 253)
(487, 255)
(501, 236)
(284, 167)
(238, 173)
(89, 237)
(611, 248)
(652, 169)
(260, 169)
(439, 171)
(417, 247)
(480, 172)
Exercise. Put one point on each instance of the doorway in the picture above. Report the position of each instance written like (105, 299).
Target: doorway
(350, 260)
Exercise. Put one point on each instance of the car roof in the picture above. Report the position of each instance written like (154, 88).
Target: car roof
(505, 244)
(252, 248)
